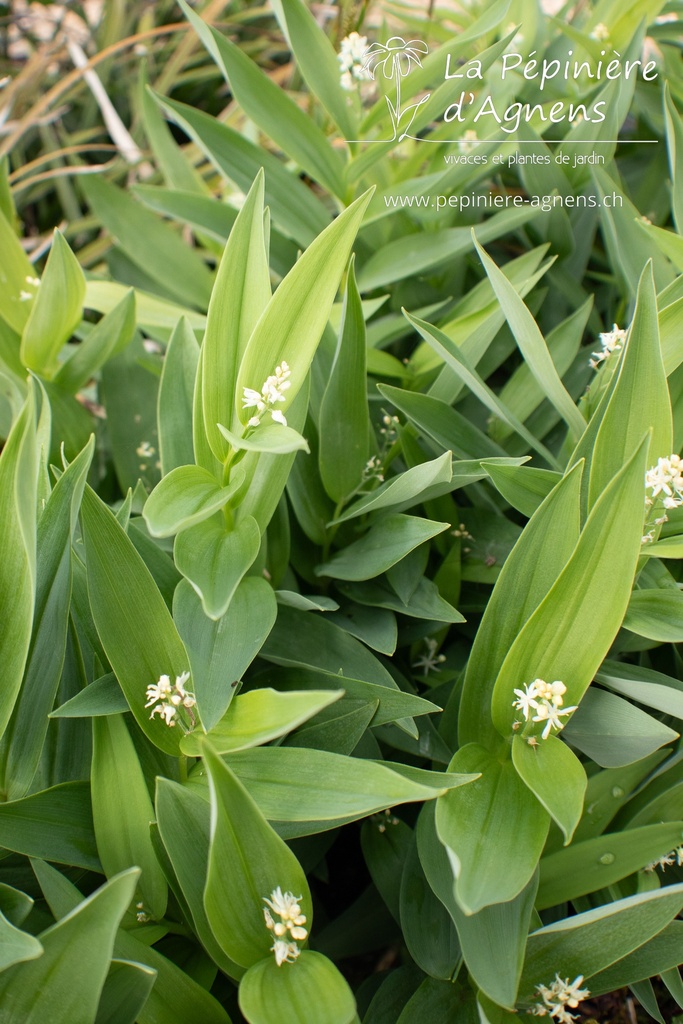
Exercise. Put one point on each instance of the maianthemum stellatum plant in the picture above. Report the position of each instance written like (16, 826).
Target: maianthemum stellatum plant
(340, 560)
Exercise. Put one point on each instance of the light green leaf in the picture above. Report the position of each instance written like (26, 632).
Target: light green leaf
(176, 390)
(15, 945)
(555, 776)
(215, 559)
(240, 295)
(656, 614)
(188, 495)
(132, 620)
(247, 862)
(417, 484)
(55, 823)
(122, 811)
(572, 629)
(653, 689)
(102, 697)
(258, 717)
(525, 487)
(64, 984)
(613, 732)
(386, 543)
(310, 991)
(109, 337)
(17, 275)
(674, 143)
(56, 310)
(275, 438)
(477, 824)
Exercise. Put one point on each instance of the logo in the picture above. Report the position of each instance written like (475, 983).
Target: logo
(395, 60)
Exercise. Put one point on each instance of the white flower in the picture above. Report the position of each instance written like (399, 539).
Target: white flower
(545, 699)
(600, 32)
(25, 296)
(351, 57)
(35, 281)
(145, 450)
(611, 341)
(431, 660)
(557, 996)
(167, 699)
(666, 479)
(272, 391)
(346, 81)
(674, 857)
(289, 929)
(466, 143)
(285, 952)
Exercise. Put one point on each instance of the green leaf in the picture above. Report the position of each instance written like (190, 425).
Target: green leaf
(15, 945)
(417, 484)
(555, 776)
(247, 862)
(531, 344)
(310, 991)
(525, 487)
(126, 990)
(132, 620)
(109, 337)
(478, 822)
(64, 984)
(18, 275)
(674, 143)
(176, 390)
(184, 825)
(188, 495)
(655, 614)
(18, 487)
(600, 862)
(240, 295)
(435, 1000)
(23, 741)
(428, 931)
(271, 109)
(295, 318)
(152, 245)
(55, 823)
(56, 310)
(656, 956)
(653, 689)
(591, 941)
(221, 650)
(640, 400)
(215, 559)
(572, 629)
(613, 732)
(274, 438)
(529, 572)
(258, 717)
(344, 415)
(493, 940)
(122, 810)
(386, 543)
(102, 697)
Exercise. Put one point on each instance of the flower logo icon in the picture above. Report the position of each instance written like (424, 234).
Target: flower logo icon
(395, 59)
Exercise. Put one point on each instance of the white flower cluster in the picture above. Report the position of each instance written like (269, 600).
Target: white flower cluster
(25, 296)
(669, 859)
(557, 997)
(611, 341)
(545, 699)
(288, 931)
(666, 478)
(351, 57)
(168, 699)
(272, 391)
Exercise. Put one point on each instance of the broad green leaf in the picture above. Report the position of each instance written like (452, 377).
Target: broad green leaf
(18, 486)
(317, 61)
(458, 362)
(122, 810)
(606, 794)
(386, 543)
(417, 484)
(184, 825)
(15, 904)
(640, 400)
(18, 278)
(297, 784)
(176, 390)
(272, 438)
(187, 496)
(570, 632)
(435, 1000)
(600, 862)
(477, 824)
(102, 697)
(64, 984)
(56, 310)
(343, 423)
(247, 862)
(175, 998)
(125, 991)
(525, 487)
(150, 244)
(555, 776)
(258, 717)
(271, 109)
(674, 142)
(653, 689)
(240, 295)
(221, 650)
(55, 823)
(656, 956)
(385, 844)
(428, 930)
(494, 939)
(109, 337)
(214, 560)
(529, 572)
(15, 945)
(132, 620)
(23, 741)
(294, 206)
(613, 732)
(310, 991)
(656, 614)
(588, 943)
(531, 344)
(339, 729)
(153, 313)
(291, 326)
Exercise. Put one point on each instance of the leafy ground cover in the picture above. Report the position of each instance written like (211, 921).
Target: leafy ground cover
(342, 514)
